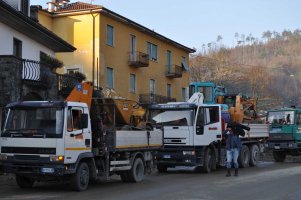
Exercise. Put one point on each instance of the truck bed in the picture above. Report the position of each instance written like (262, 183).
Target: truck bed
(133, 139)
(257, 131)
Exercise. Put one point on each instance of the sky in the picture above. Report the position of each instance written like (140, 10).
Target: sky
(197, 22)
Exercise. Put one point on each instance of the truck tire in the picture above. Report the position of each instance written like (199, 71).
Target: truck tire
(80, 180)
(279, 156)
(244, 157)
(161, 168)
(254, 154)
(208, 159)
(24, 182)
(136, 174)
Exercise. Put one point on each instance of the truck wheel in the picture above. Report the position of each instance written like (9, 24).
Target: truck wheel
(24, 182)
(80, 180)
(254, 152)
(161, 168)
(207, 164)
(136, 174)
(279, 156)
(244, 157)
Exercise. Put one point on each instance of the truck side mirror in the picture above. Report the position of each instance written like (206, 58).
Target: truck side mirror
(84, 121)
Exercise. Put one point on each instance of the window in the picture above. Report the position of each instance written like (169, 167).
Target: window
(17, 48)
(212, 114)
(73, 119)
(152, 86)
(110, 35)
(183, 59)
(152, 51)
(132, 83)
(168, 90)
(168, 58)
(133, 56)
(110, 78)
(72, 71)
(184, 94)
(184, 64)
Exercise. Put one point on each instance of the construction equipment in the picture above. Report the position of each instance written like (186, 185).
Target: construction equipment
(241, 108)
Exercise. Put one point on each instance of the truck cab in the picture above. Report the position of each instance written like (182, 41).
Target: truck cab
(189, 128)
(285, 132)
(44, 138)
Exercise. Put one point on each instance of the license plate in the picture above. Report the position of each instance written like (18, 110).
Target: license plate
(276, 147)
(166, 156)
(47, 170)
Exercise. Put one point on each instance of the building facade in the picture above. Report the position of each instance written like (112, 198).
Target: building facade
(22, 39)
(123, 57)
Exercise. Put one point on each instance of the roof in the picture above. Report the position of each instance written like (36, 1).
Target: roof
(77, 6)
(80, 6)
(27, 26)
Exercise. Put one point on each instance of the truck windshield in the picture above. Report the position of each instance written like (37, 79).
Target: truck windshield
(172, 117)
(44, 122)
(281, 117)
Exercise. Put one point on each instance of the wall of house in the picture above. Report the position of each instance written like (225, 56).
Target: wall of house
(77, 30)
(30, 48)
(117, 57)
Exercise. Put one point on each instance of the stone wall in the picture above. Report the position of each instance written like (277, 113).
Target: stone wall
(14, 88)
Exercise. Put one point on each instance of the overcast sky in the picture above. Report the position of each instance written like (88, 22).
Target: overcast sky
(197, 22)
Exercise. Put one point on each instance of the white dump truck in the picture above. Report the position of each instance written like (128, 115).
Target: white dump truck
(193, 136)
(47, 140)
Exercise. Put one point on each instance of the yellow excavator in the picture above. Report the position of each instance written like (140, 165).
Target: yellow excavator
(124, 112)
(242, 109)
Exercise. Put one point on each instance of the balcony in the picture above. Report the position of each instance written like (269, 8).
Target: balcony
(138, 59)
(36, 74)
(154, 98)
(173, 71)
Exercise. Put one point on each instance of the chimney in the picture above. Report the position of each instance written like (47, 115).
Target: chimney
(34, 12)
(51, 6)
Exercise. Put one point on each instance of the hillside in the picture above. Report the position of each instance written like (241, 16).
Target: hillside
(268, 69)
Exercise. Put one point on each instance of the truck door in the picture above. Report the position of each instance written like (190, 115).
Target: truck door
(207, 125)
(297, 136)
(78, 137)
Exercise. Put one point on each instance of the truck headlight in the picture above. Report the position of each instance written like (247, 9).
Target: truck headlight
(3, 157)
(56, 158)
(192, 153)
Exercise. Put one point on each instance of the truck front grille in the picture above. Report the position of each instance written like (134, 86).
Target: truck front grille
(27, 157)
(29, 150)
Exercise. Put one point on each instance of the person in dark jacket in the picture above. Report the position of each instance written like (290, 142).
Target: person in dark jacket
(233, 144)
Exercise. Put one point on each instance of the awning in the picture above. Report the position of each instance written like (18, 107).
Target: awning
(185, 66)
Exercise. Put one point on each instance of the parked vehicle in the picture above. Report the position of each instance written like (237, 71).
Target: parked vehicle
(285, 133)
(193, 136)
(68, 140)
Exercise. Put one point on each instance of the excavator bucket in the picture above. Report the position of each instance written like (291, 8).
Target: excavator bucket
(82, 92)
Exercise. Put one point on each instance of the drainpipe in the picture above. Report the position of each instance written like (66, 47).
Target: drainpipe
(93, 49)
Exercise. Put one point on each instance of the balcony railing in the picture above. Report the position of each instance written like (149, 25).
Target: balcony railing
(173, 71)
(138, 59)
(154, 98)
(36, 74)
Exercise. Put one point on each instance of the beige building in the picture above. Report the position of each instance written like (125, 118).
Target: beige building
(117, 53)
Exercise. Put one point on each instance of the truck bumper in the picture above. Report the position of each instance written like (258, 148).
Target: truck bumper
(41, 167)
(181, 157)
(283, 146)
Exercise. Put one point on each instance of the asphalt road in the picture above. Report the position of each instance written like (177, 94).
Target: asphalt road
(268, 181)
